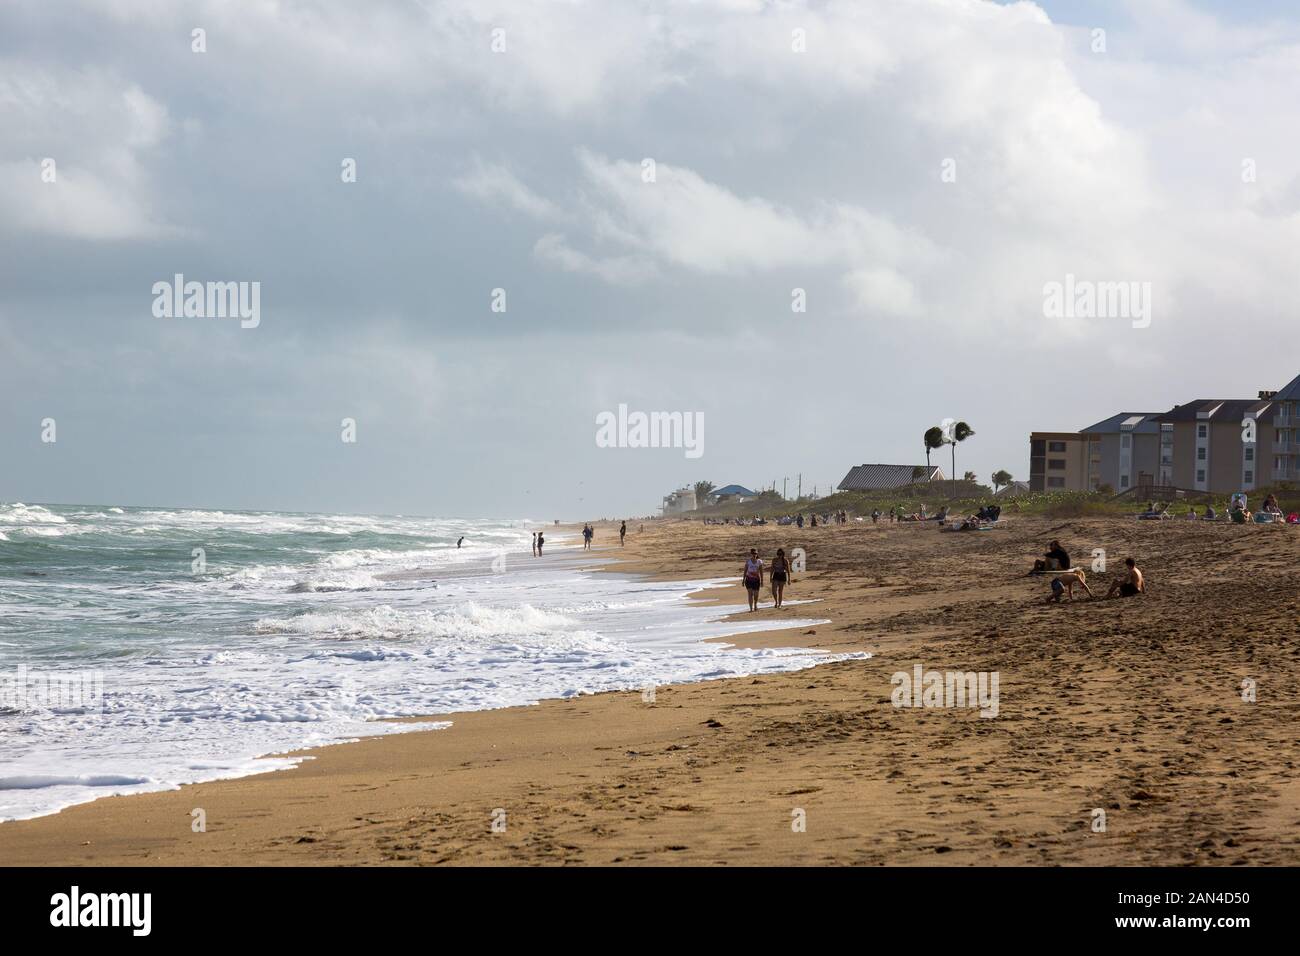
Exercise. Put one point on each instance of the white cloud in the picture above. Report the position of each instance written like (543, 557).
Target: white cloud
(97, 128)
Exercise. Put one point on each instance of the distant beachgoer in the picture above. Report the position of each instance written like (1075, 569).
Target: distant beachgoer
(1210, 513)
(622, 533)
(753, 578)
(875, 516)
(459, 540)
(780, 574)
(534, 544)
(541, 540)
(814, 520)
(1271, 506)
(799, 521)
(586, 537)
(1191, 514)
(1131, 584)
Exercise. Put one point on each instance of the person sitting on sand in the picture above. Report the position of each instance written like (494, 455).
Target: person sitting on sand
(780, 574)
(1210, 513)
(1130, 584)
(1064, 584)
(1191, 514)
(1271, 506)
(753, 576)
(1058, 554)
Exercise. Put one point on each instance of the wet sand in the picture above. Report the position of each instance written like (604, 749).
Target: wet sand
(1132, 707)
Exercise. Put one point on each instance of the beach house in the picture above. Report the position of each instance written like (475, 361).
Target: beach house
(884, 477)
(729, 493)
(680, 501)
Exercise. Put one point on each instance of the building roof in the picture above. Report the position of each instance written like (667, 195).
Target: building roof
(732, 490)
(1220, 410)
(1127, 422)
(873, 477)
(1289, 392)
(1014, 488)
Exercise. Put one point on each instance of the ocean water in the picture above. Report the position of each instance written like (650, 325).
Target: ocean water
(130, 663)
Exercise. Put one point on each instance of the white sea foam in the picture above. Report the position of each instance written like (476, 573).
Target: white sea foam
(204, 673)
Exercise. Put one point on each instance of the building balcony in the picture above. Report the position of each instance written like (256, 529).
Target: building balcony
(1285, 447)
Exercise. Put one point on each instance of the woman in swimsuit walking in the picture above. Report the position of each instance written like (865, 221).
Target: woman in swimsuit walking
(753, 578)
(780, 574)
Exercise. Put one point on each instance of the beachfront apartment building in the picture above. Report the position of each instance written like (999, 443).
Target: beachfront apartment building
(680, 501)
(1200, 446)
(1284, 452)
(1061, 461)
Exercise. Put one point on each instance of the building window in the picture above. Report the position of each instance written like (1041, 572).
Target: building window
(1250, 477)
(1123, 481)
(1200, 454)
(1056, 464)
(1058, 446)
(1250, 453)
(1125, 441)
(1201, 431)
(1200, 476)
(1056, 482)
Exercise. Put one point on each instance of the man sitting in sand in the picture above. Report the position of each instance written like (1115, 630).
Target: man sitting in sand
(1132, 583)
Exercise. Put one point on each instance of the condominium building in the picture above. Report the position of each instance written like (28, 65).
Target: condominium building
(1215, 445)
(1061, 461)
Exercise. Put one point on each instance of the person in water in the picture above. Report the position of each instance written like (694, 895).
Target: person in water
(780, 574)
(459, 540)
(622, 533)
(753, 578)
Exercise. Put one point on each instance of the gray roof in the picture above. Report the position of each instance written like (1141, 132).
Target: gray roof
(1221, 410)
(1145, 422)
(1015, 488)
(1289, 392)
(873, 477)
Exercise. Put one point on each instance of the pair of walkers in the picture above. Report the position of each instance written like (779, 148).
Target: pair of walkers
(753, 577)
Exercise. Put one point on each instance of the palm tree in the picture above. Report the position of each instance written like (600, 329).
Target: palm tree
(1001, 477)
(933, 439)
(702, 489)
(960, 432)
(969, 476)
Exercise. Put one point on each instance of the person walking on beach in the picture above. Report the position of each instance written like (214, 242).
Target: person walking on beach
(534, 544)
(1131, 584)
(780, 574)
(541, 540)
(753, 578)
(622, 533)
(586, 537)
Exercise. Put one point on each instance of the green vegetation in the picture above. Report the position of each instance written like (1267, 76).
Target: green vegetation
(966, 497)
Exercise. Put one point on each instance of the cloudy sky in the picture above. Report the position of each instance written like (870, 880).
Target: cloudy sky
(920, 168)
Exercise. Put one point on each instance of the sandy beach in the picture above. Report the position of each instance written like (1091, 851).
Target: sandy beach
(1133, 707)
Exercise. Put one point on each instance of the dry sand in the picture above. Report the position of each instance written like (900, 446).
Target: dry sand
(1132, 706)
